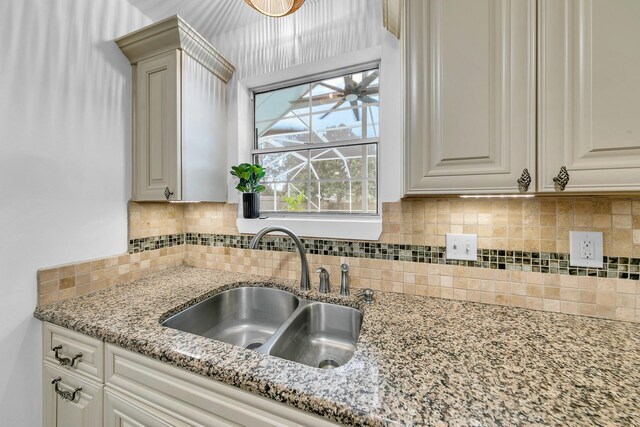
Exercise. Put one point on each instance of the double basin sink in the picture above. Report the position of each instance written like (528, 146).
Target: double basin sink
(277, 323)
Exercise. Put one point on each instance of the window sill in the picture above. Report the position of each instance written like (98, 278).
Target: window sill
(369, 228)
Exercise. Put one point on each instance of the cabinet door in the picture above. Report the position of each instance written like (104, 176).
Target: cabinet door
(84, 411)
(157, 110)
(470, 87)
(589, 107)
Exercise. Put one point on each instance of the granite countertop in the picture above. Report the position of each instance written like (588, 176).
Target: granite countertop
(419, 361)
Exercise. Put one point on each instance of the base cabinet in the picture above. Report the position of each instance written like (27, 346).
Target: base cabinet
(134, 390)
(82, 409)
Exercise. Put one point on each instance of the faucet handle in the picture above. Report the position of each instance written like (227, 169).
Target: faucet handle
(344, 282)
(325, 286)
(367, 295)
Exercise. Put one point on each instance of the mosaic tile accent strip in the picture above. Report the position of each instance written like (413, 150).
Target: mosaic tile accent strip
(539, 262)
(155, 242)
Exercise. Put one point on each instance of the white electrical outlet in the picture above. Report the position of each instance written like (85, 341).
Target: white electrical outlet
(462, 246)
(585, 249)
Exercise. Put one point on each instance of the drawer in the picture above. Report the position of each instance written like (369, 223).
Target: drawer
(121, 409)
(90, 364)
(82, 409)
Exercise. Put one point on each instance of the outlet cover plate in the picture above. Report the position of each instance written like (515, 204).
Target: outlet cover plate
(585, 249)
(462, 246)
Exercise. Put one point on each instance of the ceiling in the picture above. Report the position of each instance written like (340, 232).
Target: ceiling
(209, 17)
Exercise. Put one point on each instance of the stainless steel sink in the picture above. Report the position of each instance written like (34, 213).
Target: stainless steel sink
(276, 323)
(321, 335)
(246, 317)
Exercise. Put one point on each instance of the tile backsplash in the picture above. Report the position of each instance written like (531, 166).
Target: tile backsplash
(523, 246)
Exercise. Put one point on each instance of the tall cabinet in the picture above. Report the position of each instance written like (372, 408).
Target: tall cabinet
(179, 113)
(494, 87)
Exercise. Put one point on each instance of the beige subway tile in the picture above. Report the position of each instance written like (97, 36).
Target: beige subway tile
(585, 282)
(67, 282)
(52, 286)
(625, 314)
(569, 307)
(67, 271)
(626, 286)
(551, 305)
(587, 296)
(621, 207)
(534, 303)
(48, 275)
(624, 300)
(49, 298)
(569, 294)
(551, 292)
(587, 309)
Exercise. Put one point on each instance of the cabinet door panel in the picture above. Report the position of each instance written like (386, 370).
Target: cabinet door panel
(124, 411)
(590, 94)
(84, 411)
(157, 154)
(470, 83)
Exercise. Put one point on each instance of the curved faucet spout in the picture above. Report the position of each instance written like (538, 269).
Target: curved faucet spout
(305, 284)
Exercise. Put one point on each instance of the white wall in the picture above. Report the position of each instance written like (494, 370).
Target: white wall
(64, 164)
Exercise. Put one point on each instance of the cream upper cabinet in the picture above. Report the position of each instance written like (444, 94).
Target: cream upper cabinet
(179, 113)
(470, 95)
(589, 94)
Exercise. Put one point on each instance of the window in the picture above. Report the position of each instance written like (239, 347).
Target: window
(318, 143)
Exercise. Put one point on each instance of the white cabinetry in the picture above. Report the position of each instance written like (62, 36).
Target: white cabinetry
(589, 94)
(81, 372)
(470, 80)
(470, 88)
(120, 388)
(81, 407)
(179, 113)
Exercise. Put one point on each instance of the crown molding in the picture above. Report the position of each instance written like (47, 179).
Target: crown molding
(174, 33)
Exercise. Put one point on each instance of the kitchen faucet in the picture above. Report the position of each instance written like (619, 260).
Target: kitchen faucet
(304, 276)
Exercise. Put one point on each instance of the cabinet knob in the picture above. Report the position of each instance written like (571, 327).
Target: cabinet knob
(524, 181)
(561, 181)
(69, 396)
(167, 193)
(65, 361)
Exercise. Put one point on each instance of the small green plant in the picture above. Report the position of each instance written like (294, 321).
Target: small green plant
(250, 176)
(294, 203)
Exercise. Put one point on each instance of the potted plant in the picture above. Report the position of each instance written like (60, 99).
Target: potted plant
(250, 176)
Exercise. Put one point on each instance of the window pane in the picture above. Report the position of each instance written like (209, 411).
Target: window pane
(334, 180)
(337, 109)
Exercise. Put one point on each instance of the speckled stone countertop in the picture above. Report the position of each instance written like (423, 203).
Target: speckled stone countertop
(419, 361)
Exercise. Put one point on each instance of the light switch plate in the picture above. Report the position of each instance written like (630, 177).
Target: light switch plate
(462, 246)
(585, 249)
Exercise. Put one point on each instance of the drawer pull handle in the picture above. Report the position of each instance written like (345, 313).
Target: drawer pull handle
(65, 361)
(69, 396)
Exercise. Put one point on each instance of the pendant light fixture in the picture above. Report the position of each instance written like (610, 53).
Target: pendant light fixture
(275, 8)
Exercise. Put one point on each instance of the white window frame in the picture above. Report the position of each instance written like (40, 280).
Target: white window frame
(333, 226)
(364, 142)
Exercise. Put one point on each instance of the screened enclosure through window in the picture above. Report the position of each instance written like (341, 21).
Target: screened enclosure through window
(318, 143)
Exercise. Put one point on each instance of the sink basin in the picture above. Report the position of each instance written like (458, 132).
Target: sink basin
(321, 335)
(246, 317)
(276, 323)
